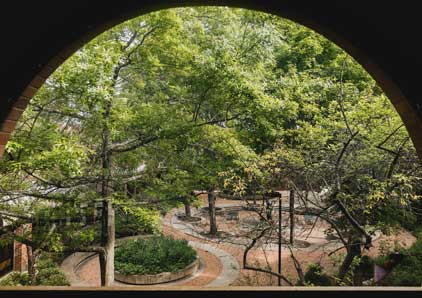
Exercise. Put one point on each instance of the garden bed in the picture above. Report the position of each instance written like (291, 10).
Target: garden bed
(154, 260)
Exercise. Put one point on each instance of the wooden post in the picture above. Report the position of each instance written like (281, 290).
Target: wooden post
(211, 206)
(188, 212)
(279, 240)
(292, 216)
(109, 278)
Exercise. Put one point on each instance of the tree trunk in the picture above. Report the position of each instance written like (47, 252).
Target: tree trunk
(107, 260)
(211, 207)
(103, 268)
(188, 212)
(357, 277)
(108, 218)
(292, 216)
(353, 251)
(109, 247)
(31, 264)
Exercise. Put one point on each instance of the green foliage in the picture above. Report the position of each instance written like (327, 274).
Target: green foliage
(49, 273)
(408, 272)
(15, 279)
(314, 276)
(45, 263)
(136, 221)
(51, 276)
(153, 255)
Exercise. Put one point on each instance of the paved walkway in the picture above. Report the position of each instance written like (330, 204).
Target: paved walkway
(230, 270)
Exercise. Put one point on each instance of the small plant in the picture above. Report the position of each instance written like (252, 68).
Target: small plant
(153, 255)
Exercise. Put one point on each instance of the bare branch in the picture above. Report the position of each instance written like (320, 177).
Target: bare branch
(248, 267)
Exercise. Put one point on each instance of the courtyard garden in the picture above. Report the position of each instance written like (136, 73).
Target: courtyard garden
(210, 146)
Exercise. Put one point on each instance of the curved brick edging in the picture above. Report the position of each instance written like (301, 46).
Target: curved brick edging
(164, 277)
(73, 263)
(86, 257)
(188, 229)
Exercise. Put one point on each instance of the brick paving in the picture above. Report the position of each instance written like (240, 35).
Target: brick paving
(212, 267)
(88, 273)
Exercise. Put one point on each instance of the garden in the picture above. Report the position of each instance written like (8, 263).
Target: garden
(150, 257)
(210, 146)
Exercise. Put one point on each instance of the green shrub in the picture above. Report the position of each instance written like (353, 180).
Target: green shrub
(136, 221)
(314, 276)
(48, 274)
(409, 271)
(51, 277)
(153, 255)
(44, 263)
(15, 279)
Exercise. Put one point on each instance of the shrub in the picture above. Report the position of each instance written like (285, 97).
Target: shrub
(15, 279)
(153, 255)
(409, 271)
(314, 276)
(136, 221)
(48, 274)
(52, 276)
(44, 263)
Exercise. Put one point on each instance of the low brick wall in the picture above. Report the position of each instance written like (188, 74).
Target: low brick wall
(163, 277)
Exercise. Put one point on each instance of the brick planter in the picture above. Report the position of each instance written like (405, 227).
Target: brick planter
(151, 279)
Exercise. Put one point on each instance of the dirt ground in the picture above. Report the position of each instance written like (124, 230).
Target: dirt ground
(305, 257)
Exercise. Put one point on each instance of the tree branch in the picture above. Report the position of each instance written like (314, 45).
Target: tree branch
(248, 267)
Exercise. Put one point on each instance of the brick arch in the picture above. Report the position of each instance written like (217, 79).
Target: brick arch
(408, 107)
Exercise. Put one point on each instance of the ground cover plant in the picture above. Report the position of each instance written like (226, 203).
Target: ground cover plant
(48, 273)
(153, 255)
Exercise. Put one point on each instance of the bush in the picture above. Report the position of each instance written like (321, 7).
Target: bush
(52, 276)
(153, 255)
(315, 277)
(136, 221)
(15, 279)
(48, 274)
(409, 271)
(45, 263)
